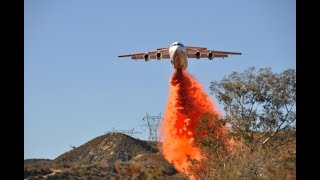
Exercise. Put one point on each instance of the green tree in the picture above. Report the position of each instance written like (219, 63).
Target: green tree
(260, 108)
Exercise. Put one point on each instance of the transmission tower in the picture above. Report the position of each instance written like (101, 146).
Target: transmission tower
(152, 123)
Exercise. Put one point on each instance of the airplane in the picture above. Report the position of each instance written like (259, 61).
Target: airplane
(179, 54)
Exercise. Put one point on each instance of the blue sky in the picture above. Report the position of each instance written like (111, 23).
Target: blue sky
(76, 88)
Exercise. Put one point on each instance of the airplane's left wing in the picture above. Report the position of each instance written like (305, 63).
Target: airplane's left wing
(202, 52)
(160, 53)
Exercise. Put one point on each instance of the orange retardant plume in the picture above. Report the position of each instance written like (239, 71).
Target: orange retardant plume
(186, 105)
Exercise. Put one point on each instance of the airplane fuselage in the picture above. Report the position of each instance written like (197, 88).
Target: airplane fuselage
(178, 56)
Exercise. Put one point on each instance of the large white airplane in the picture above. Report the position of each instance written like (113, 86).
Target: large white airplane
(179, 54)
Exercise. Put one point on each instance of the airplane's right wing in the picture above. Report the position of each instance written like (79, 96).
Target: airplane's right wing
(160, 53)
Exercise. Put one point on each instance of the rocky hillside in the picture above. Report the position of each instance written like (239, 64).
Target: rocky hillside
(105, 150)
(110, 156)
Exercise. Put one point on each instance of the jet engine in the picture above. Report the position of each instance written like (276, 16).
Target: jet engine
(210, 56)
(198, 55)
(158, 55)
(146, 57)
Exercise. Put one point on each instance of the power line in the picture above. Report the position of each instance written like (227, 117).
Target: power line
(130, 132)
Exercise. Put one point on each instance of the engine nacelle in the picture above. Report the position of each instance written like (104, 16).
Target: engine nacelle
(198, 55)
(210, 55)
(146, 57)
(158, 55)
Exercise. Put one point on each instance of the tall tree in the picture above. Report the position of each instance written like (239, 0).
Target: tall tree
(260, 107)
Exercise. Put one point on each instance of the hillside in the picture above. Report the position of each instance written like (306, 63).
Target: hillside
(112, 156)
(105, 150)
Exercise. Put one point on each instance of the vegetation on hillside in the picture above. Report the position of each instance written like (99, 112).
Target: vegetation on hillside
(260, 111)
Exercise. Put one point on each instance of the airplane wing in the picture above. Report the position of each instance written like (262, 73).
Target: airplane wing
(206, 56)
(150, 55)
(204, 52)
(194, 47)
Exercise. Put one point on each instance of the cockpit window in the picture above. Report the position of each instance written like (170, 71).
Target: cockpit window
(174, 44)
(180, 44)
